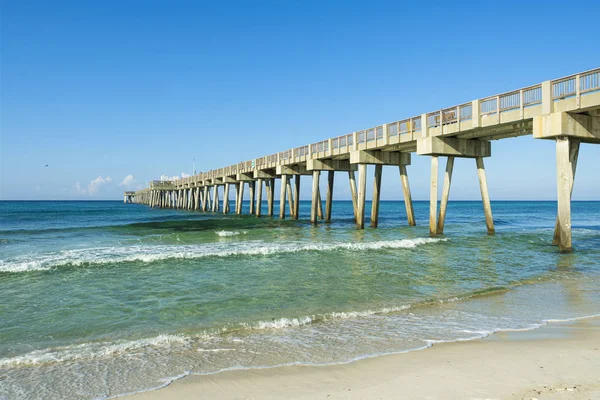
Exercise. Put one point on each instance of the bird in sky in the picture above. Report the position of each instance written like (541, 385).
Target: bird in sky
(46, 165)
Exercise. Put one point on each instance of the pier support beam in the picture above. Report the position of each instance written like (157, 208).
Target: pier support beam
(567, 152)
(376, 196)
(259, 197)
(360, 204)
(205, 199)
(445, 194)
(433, 195)
(240, 198)
(237, 197)
(319, 204)
(282, 191)
(485, 197)
(215, 199)
(410, 213)
(315, 197)
(573, 156)
(270, 196)
(329, 198)
(197, 199)
(251, 186)
(226, 199)
(353, 191)
(290, 197)
(296, 196)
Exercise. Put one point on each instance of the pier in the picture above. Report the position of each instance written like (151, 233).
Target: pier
(565, 110)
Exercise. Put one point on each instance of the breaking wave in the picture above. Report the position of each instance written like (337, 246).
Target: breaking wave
(148, 254)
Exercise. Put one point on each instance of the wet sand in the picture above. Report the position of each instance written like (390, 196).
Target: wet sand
(557, 361)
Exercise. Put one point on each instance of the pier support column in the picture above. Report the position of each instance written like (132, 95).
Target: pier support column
(567, 152)
(251, 186)
(290, 198)
(485, 197)
(259, 191)
(210, 201)
(362, 188)
(270, 196)
(410, 212)
(315, 197)
(353, 194)
(445, 194)
(237, 197)
(329, 198)
(319, 205)
(226, 199)
(282, 191)
(573, 157)
(376, 196)
(433, 196)
(240, 199)
(205, 199)
(215, 200)
(296, 196)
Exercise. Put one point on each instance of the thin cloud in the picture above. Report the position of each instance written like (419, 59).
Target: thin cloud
(93, 187)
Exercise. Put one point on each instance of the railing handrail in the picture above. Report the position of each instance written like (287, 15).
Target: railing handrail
(291, 154)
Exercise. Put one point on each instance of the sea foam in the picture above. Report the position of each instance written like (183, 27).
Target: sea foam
(147, 254)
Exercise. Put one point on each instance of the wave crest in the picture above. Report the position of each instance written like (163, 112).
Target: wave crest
(148, 254)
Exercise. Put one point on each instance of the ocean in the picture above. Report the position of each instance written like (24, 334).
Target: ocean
(101, 299)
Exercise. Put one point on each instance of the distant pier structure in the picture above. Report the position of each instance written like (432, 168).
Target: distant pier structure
(565, 110)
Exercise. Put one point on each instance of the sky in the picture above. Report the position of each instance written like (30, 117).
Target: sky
(113, 94)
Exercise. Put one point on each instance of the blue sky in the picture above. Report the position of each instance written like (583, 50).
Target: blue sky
(100, 91)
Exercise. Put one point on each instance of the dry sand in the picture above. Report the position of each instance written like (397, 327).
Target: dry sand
(558, 361)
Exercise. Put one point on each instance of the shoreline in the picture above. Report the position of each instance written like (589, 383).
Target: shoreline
(560, 359)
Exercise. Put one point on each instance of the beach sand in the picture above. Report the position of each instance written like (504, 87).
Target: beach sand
(557, 361)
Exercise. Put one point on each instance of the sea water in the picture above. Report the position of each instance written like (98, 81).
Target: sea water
(100, 299)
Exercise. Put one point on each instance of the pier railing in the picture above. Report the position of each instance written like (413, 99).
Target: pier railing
(463, 114)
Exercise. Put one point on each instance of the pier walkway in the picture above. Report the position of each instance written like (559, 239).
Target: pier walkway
(565, 110)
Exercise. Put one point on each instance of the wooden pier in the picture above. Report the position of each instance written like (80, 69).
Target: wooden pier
(565, 110)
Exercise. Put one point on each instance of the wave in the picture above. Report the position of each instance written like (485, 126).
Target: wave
(91, 350)
(230, 233)
(148, 254)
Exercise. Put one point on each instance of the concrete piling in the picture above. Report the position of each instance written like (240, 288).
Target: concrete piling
(329, 196)
(433, 195)
(282, 191)
(315, 197)
(573, 157)
(353, 192)
(259, 197)
(251, 186)
(566, 164)
(296, 196)
(445, 194)
(485, 197)
(290, 198)
(271, 197)
(410, 213)
(361, 198)
(376, 196)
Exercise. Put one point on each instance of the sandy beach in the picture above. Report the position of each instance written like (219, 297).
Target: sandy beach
(557, 361)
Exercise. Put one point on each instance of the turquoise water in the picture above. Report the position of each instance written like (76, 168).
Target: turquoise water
(103, 298)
